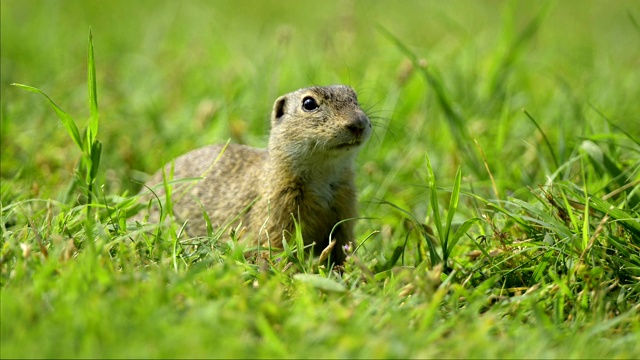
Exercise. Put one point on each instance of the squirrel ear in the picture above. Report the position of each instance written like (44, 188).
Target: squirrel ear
(278, 110)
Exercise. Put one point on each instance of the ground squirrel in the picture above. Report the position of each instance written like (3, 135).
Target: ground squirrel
(305, 174)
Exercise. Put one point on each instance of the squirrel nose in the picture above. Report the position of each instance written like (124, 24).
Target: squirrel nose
(358, 124)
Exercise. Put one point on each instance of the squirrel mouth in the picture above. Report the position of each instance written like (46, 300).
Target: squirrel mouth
(350, 144)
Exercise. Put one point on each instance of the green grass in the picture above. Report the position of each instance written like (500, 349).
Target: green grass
(500, 193)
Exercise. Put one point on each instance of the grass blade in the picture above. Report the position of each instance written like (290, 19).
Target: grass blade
(434, 200)
(93, 94)
(66, 119)
(626, 133)
(455, 120)
(458, 234)
(585, 226)
(435, 258)
(546, 140)
(453, 205)
(96, 151)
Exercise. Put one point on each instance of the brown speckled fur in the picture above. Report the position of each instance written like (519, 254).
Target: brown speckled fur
(306, 173)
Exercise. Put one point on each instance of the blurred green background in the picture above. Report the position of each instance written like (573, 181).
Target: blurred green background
(173, 76)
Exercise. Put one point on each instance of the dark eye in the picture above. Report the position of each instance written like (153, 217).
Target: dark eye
(309, 104)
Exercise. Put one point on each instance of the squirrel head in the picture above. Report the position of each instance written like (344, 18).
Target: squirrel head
(318, 123)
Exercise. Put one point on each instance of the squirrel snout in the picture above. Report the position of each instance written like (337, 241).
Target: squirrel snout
(358, 124)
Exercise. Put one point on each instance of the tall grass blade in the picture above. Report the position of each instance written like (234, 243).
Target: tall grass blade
(453, 240)
(546, 140)
(434, 200)
(93, 93)
(435, 258)
(96, 151)
(585, 226)
(455, 120)
(453, 205)
(627, 134)
(67, 121)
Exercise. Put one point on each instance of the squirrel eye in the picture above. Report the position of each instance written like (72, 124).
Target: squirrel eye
(309, 104)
